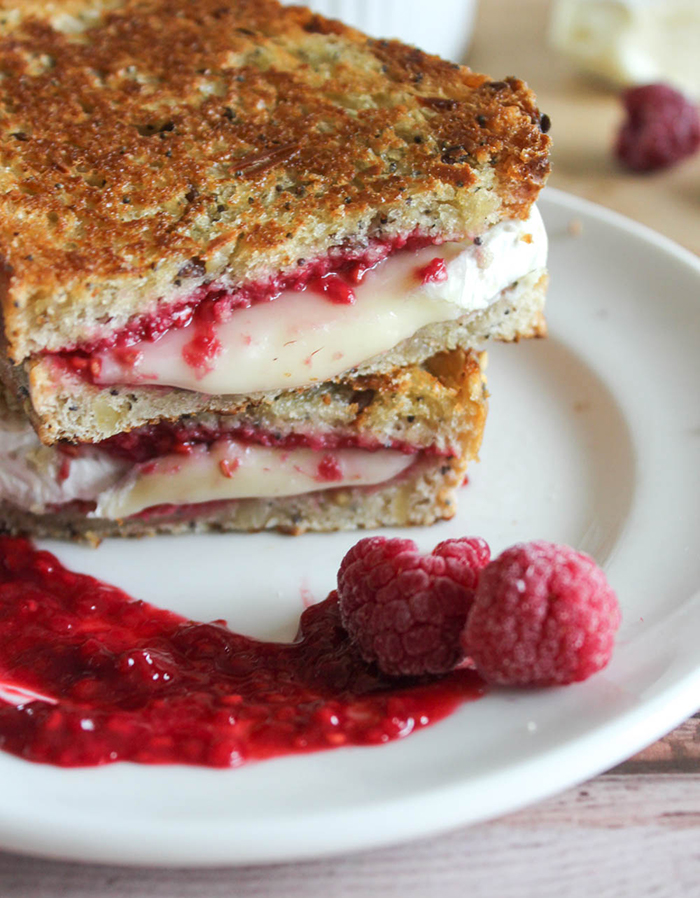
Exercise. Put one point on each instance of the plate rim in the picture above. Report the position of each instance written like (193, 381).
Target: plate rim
(425, 812)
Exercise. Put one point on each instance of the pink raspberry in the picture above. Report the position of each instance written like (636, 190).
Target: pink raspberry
(404, 610)
(543, 615)
(662, 127)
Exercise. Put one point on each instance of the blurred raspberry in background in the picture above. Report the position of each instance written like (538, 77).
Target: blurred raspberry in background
(662, 128)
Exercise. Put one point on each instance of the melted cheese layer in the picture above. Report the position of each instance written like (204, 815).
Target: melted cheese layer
(37, 478)
(229, 470)
(303, 338)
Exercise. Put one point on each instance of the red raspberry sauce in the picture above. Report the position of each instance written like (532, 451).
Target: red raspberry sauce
(329, 469)
(335, 288)
(202, 349)
(133, 682)
(166, 438)
(434, 272)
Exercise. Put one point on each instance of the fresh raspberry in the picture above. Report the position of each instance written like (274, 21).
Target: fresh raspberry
(662, 127)
(464, 558)
(543, 615)
(406, 611)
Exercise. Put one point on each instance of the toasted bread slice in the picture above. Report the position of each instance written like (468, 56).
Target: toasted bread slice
(151, 146)
(437, 409)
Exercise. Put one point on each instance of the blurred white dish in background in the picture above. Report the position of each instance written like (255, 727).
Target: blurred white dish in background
(443, 27)
(632, 41)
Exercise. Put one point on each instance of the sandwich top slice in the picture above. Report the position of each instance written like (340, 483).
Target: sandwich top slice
(207, 205)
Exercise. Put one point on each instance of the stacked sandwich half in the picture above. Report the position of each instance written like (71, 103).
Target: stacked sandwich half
(248, 258)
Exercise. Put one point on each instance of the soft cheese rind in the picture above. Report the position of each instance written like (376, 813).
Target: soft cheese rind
(34, 477)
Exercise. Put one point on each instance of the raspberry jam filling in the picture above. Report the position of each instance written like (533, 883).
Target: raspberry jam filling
(211, 305)
(168, 438)
(189, 466)
(434, 272)
(114, 679)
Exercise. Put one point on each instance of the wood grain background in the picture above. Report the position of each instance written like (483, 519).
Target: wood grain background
(634, 831)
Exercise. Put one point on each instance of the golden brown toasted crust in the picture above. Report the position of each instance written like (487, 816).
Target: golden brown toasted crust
(138, 135)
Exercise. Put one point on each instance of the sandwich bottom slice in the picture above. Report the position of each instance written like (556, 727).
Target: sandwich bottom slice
(387, 449)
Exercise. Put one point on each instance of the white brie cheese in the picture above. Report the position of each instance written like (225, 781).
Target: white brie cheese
(231, 470)
(37, 478)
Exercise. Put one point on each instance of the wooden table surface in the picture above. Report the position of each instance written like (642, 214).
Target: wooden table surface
(634, 831)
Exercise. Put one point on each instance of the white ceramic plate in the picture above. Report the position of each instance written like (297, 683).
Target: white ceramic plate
(593, 440)
(411, 21)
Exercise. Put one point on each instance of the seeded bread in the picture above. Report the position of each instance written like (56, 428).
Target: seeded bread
(149, 146)
(441, 405)
(73, 410)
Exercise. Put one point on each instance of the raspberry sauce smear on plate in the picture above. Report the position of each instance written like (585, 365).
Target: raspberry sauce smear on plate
(122, 680)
